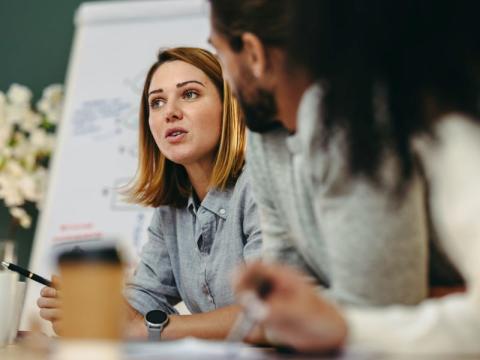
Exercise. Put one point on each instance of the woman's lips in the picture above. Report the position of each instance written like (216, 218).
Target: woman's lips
(174, 136)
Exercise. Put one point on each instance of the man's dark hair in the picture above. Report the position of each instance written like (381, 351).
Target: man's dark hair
(267, 19)
(389, 68)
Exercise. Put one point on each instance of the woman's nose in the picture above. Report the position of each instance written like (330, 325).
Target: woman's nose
(173, 113)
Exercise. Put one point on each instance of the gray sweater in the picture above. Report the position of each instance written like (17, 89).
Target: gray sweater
(364, 245)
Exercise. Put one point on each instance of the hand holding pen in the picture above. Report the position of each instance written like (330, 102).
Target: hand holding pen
(254, 311)
(295, 314)
(27, 273)
(50, 304)
(49, 301)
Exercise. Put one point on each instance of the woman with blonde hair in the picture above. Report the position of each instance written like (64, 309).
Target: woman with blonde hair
(191, 157)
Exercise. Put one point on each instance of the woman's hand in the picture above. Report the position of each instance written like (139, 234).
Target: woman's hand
(297, 315)
(50, 304)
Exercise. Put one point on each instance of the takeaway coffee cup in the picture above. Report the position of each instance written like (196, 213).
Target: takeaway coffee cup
(92, 283)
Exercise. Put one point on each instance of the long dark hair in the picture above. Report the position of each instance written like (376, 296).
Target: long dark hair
(389, 69)
(266, 19)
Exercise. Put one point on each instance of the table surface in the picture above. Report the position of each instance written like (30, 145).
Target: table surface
(42, 350)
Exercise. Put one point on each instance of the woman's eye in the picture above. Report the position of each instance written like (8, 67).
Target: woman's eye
(190, 95)
(156, 103)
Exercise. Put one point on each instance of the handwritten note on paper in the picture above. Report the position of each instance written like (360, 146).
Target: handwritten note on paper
(100, 115)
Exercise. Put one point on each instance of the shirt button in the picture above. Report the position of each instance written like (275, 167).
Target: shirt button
(222, 211)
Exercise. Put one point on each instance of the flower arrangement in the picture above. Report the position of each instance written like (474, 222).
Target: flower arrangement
(27, 139)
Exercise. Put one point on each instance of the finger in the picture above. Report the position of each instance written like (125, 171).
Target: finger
(247, 277)
(279, 277)
(48, 292)
(48, 303)
(50, 314)
(280, 316)
(56, 281)
(285, 328)
(57, 327)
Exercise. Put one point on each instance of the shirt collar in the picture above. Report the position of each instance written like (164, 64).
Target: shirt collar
(192, 204)
(216, 201)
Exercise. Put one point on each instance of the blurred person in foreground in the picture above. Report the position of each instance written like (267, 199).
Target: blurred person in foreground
(403, 77)
(330, 202)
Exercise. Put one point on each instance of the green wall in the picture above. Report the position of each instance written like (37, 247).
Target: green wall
(35, 43)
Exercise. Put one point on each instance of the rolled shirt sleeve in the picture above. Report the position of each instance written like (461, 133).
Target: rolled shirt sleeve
(153, 284)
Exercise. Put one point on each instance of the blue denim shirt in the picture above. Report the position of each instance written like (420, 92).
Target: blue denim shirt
(192, 251)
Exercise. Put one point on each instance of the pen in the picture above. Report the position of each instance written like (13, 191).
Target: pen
(27, 273)
(254, 310)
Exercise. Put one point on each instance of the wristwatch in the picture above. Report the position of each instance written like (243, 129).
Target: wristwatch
(155, 320)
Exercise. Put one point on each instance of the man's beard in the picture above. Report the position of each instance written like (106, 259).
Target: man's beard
(261, 113)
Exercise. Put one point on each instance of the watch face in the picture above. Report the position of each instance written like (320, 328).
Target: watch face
(156, 317)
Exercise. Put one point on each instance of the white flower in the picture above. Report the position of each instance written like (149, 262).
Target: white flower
(42, 141)
(5, 134)
(26, 152)
(10, 179)
(41, 181)
(21, 215)
(51, 143)
(14, 114)
(10, 192)
(27, 139)
(19, 95)
(22, 146)
(51, 102)
(14, 169)
(5, 153)
(30, 121)
(28, 188)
